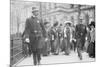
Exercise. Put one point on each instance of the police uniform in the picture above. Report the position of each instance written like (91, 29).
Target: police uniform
(80, 38)
(34, 28)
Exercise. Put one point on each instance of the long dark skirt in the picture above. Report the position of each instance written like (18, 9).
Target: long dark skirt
(66, 46)
(91, 50)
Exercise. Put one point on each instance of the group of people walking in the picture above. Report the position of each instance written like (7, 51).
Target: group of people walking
(57, 39)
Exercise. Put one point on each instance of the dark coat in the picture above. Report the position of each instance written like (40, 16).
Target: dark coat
(91, 49)
(33, 24)
(80, 31)
(80, 34)
(66, 39)
(53, 33)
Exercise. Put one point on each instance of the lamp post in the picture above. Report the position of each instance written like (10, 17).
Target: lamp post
(79, 12)
(40, 7)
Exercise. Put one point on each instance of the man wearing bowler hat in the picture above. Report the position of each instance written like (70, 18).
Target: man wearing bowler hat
(35, 29)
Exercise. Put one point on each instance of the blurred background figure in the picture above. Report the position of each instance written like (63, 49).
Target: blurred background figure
(91, 47)
(46, 47)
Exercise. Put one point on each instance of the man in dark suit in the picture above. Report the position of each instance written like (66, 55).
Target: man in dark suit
(80, 37)
(35, 29)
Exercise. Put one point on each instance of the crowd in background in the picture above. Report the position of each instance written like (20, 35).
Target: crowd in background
(68, 39)
(39, 40)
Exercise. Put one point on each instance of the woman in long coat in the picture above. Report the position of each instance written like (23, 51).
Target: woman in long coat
(66, 40)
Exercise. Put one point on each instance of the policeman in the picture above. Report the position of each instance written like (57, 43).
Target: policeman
(35, 29)
(80, 34)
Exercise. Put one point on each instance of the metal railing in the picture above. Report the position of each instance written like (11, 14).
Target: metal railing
(16, 50)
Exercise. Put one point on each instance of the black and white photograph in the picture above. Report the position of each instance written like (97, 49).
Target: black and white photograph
(48, 33)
